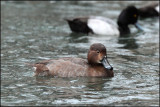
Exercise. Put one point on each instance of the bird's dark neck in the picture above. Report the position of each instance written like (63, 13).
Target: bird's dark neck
(124, 29)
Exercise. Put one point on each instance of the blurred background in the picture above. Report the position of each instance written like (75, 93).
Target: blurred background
(32, 31)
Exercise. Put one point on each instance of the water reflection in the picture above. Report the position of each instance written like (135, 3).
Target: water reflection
(78, 38)
(129, 42)
(97, 84)
(59, 89)
(90, 83)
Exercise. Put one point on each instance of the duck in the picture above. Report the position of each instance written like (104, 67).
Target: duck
(148, 11)
(104, 26)
(96, 65)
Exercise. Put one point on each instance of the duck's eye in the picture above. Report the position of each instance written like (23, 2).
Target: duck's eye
(135, 15)
(98, 52)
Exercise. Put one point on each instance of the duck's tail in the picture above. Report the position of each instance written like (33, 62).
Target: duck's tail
(29, 64)
(32, 65)
(68, 20)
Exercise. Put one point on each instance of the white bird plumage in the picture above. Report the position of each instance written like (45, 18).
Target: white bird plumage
(103, 26)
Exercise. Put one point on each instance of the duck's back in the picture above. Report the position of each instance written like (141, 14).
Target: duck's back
(150, 10)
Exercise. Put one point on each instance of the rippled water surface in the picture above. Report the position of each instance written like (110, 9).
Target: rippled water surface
(34, 31)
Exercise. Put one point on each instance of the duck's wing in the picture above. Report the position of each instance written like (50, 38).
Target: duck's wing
(107, 20)
(67, 67)
(103, 26)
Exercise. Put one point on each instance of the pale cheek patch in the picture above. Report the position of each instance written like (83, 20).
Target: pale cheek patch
(101, 27)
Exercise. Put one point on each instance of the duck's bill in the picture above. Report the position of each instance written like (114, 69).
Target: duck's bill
(138, 26)
(106, 64)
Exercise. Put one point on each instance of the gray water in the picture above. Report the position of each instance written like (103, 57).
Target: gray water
(33, 31)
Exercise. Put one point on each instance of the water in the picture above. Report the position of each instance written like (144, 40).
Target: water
(34, 31)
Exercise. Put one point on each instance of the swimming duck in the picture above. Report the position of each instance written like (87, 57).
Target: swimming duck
(96, 65)
(147, 11)
(105, 26)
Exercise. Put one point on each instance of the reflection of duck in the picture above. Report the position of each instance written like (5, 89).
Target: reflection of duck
(129, 43)
(77, 38)
(151, 10)
(96, 66)
(97, 84)
(104, 26)
(93, 83)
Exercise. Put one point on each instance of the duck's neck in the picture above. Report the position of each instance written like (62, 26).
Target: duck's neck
(124, 29)
(94, 64)
(100, 68)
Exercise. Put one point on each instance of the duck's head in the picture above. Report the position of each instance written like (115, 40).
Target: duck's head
(97, 55)
(129, 16)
